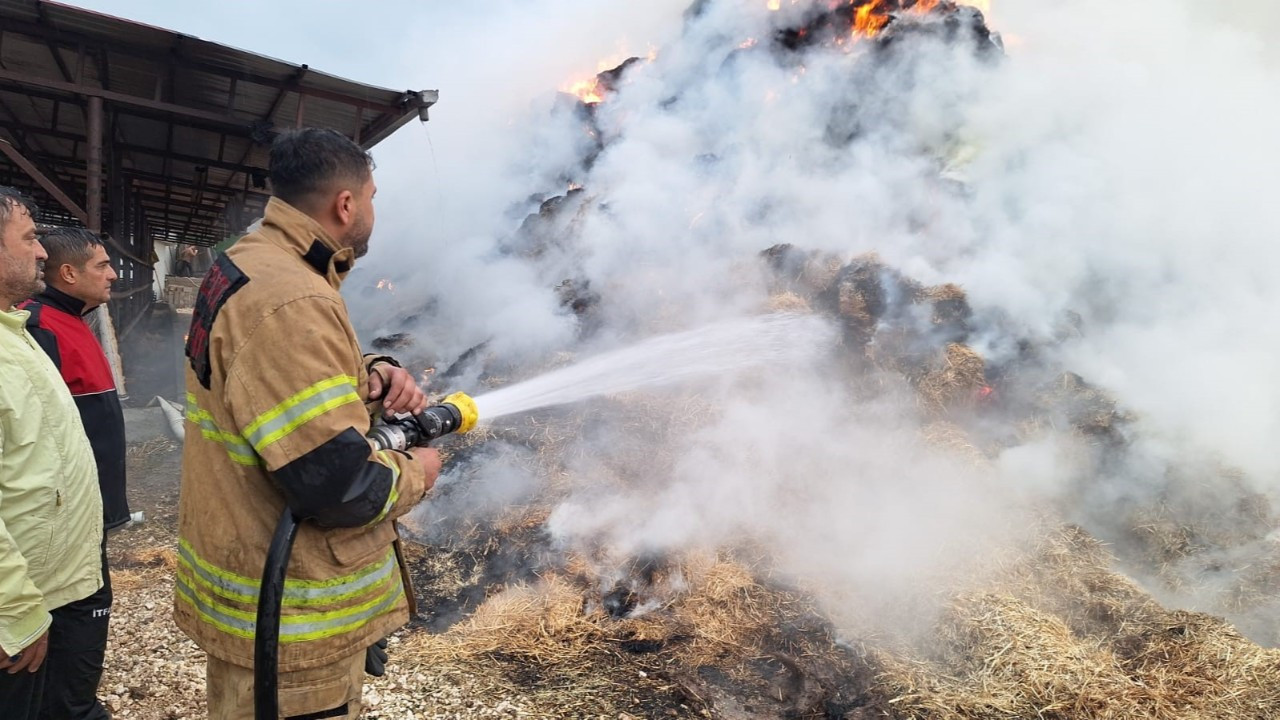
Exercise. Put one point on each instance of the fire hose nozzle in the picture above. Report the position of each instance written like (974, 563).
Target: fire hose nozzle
(466, 408)
(456, 413)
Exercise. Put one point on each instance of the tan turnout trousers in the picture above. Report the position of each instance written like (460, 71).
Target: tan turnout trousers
(315, 694)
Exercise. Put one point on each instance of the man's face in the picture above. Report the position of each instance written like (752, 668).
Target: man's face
(92, 283)
(21, 257)
(361, 228)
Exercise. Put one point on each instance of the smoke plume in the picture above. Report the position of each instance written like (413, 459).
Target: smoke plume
(1100, 189)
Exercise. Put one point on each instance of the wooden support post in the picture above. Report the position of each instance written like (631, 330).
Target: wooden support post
(93, 163)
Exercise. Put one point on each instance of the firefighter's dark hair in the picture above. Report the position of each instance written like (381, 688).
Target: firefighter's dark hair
(309, 163)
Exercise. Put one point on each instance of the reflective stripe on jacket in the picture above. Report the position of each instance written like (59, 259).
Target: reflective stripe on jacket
(50, 509)
(276, 415)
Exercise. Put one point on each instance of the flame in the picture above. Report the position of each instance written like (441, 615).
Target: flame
(774, 5)
(867, 22)
(871, 17)
(574, 186)
(385, 284)
(588, 91)
(748, 43)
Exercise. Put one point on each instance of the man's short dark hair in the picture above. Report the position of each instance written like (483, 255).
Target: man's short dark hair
(11, 200)
(309, 162)
(68, 246)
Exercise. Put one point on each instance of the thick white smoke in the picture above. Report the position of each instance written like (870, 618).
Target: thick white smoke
(1117, 165)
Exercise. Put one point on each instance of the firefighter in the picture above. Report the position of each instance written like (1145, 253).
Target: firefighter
(50, 510)
(78, 277)
(279, 400)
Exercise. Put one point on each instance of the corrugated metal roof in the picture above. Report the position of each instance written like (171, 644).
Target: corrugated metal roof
(188, 120)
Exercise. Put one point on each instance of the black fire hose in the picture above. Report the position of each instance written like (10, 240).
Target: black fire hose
(456, 414)
(266, 637)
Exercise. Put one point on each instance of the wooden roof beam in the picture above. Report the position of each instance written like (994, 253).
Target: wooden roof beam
(119, 97)
(49, 186)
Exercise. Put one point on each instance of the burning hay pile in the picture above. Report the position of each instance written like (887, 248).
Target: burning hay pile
(1056, 633)
(599, 622)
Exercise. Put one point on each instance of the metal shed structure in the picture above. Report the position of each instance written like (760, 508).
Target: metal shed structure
(150, 135)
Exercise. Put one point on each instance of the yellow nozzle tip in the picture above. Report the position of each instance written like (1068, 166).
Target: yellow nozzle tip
(466, 407)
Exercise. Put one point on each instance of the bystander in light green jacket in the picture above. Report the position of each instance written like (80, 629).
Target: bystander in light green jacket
(50, 507)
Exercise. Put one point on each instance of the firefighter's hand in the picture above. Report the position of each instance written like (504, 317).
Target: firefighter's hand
(396, 389)
(30, 658)
(429, 459)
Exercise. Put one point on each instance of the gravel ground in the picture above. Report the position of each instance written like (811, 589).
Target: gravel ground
(153, 672)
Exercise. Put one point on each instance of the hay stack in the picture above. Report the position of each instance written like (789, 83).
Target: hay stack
(955, 440)
(1090, 411)
(951, 312)
(808, 273)
(954, 381)
(1063, 636)
(788, 302)
(859, 297)
(819, 272)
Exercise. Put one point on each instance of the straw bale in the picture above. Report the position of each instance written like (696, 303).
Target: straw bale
(1092, 412)
(956, 440)
(788, 302)
(810, 273)
(950, 305)
(820, 271)
(860, 296)
(954, 381)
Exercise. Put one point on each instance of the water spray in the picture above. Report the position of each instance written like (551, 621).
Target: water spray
(780, 339)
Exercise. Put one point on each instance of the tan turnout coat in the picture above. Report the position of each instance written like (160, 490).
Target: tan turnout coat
(276, 413)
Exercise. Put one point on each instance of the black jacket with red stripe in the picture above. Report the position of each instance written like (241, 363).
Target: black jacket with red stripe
(56, 323)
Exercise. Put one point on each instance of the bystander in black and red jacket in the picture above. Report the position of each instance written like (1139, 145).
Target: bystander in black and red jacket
(57, 323)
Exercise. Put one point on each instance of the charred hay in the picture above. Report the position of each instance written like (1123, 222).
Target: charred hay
(1057, 634)
(889, 22)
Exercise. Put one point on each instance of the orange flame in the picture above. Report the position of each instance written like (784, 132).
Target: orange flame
(871, 17)
(588, 91)
(867, 22)
(385, 284)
